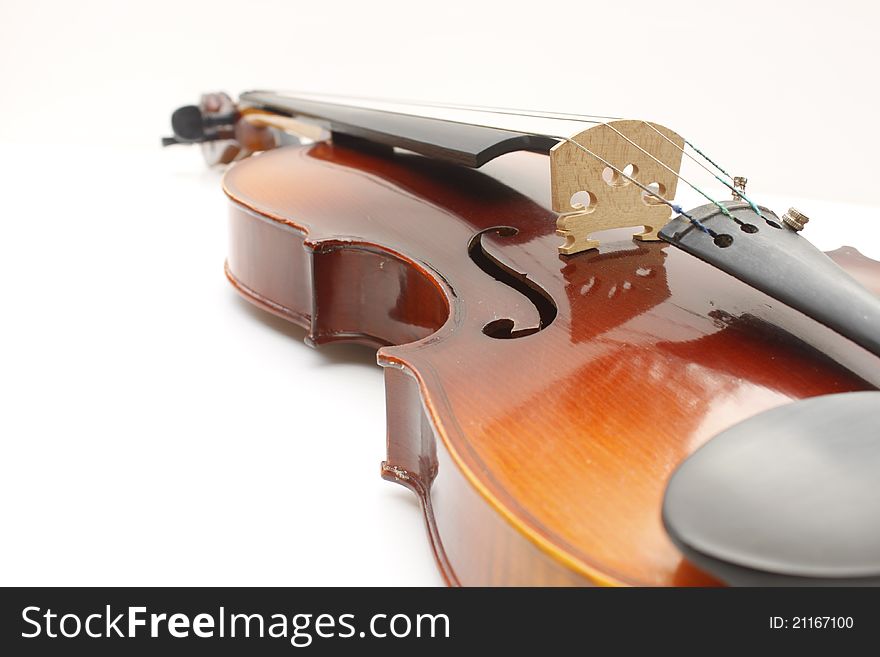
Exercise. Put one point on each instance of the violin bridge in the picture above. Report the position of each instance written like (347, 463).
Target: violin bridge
(593, 196)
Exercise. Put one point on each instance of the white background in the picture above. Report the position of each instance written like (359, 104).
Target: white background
(154, 428)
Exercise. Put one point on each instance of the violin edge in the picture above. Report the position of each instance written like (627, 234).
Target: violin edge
(415, 445)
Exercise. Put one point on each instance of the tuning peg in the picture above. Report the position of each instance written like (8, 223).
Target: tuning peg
(191, 126)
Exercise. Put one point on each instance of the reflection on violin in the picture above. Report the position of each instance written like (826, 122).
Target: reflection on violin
(544, 458)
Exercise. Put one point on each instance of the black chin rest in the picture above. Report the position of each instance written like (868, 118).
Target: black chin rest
(789, 497)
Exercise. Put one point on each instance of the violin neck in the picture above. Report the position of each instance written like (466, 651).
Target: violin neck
(462, 143)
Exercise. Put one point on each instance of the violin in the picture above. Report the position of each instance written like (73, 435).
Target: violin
(560, 339)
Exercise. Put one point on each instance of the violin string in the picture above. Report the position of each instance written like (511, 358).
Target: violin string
(485, 109)
(721, 207)
(675, 207)
(707, 158)
(586, 118)
(731, 187)
(571, 116)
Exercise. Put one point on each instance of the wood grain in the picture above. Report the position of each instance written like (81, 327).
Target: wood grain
(648, 153)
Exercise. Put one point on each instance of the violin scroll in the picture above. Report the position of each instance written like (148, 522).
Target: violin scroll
(216, 124)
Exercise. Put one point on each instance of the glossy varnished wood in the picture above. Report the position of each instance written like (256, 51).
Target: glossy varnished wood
(540, 459)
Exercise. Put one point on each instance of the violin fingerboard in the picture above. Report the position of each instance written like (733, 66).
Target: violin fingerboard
(461, 143)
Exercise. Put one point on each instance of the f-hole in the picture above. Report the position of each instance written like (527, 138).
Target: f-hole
(543, 302)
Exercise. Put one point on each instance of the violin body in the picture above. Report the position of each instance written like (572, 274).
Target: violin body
(536, 403)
